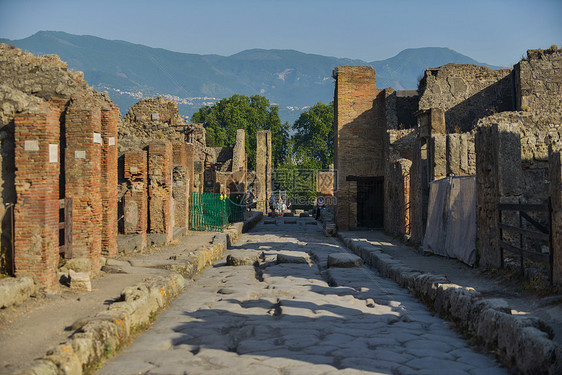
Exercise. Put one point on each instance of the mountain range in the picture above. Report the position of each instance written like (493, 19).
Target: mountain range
(290, 79)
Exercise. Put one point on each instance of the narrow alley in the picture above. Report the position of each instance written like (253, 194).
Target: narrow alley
(288, 300)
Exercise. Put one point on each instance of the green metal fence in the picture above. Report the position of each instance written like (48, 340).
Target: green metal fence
(213, 211)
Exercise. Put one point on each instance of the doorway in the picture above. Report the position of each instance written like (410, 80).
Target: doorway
(370, 202)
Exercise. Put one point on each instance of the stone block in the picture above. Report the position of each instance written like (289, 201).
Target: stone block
(297, 259)
(344, 260)
(80, 281)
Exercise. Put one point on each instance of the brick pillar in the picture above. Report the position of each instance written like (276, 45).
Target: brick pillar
(263, 169)
(555, 171)
(180, 189)
(161, 215)
(239, 152)
(36, 234)
(83, 177)
(498, 179)
(109, 120)
(135, 201)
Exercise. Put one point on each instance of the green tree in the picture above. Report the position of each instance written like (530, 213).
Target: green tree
(313, 141)
(222, 119)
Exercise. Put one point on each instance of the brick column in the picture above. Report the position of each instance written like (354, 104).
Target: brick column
(263, 169)
(161, 215)
(189, 163)
(135, 201)
(555, 170)
(109, 121)
(37, 163)
(83, 177)
(180, 191)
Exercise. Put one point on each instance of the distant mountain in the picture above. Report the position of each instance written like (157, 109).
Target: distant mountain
(290, 79)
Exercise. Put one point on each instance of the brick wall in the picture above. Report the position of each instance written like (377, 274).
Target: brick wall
(83, 177)
(161, 206)
(360, 124)
(109, 120)
(37, 188)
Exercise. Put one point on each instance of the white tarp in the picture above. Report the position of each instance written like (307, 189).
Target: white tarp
(451, 218)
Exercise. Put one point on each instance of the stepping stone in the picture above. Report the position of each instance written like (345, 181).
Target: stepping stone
(242, 258)
(288, 214)
(344, 260)
(290, 221)
(304, 214)
(295, 259)
(310, 223)
(270, 222)
(80, 281)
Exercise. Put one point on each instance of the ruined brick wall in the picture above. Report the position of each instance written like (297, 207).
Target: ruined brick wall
(161, 215)
(155, 109)
(110, 117)
(466, 93)
(359, 134)
(37, 187)
(135, 200)
(538, 81)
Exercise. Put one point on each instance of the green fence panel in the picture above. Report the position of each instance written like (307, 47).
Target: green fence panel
(213, 211)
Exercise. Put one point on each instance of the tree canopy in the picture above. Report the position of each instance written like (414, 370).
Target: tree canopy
(222, 119)
(313, 140)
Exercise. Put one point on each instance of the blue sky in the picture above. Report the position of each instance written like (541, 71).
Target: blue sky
(497, 32)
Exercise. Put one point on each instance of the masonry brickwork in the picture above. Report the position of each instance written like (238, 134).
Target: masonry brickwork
(109, 182)
(180, 189)
(36, 236)
(360, 125)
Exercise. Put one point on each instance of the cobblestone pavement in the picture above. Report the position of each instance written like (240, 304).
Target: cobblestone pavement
(284, 318)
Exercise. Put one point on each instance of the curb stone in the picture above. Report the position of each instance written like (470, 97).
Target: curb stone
(522, 343)
(96, 339)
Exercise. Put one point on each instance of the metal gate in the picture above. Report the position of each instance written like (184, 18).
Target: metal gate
(213, 211)
(370, 202)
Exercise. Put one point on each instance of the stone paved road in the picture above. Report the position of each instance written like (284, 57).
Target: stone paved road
(283, 318)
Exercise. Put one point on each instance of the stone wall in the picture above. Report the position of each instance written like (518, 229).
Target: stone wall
(360, 124)
(397, 197)
(154, 109)
(401, 107)
(135, 200)
(161, 207)
(538, 81)
(466, 93)
(84, 153)
(555, 176)
(180, 189)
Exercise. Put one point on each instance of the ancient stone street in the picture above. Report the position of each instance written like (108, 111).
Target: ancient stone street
(294, 315)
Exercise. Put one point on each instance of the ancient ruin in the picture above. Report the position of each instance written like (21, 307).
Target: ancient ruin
(498, 129)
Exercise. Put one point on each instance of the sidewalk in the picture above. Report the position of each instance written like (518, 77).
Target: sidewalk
(29, 330)
(499, 316)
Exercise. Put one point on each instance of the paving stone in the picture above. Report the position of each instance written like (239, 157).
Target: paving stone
(344, 260)
(297, 259)
(242, 257)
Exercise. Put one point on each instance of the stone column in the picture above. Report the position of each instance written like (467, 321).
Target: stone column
(36, 235)
(555, 170)
(161, 207)
(135, 201)
(263, 169)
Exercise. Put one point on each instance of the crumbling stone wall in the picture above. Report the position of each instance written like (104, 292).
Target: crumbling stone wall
(84, 115)
(161, 205)
(154, 109)
(360, 124)
(538, 81)
(180, 189)
(466, 93)
(135, 200)
(401, 107)
(555, 177)
(397, 197)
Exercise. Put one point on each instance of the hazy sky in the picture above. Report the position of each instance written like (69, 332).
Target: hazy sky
(497, 32)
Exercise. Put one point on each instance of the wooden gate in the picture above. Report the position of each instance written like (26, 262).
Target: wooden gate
(542, 232)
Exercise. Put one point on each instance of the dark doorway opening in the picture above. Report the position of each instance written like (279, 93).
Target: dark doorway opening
(370, 202)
